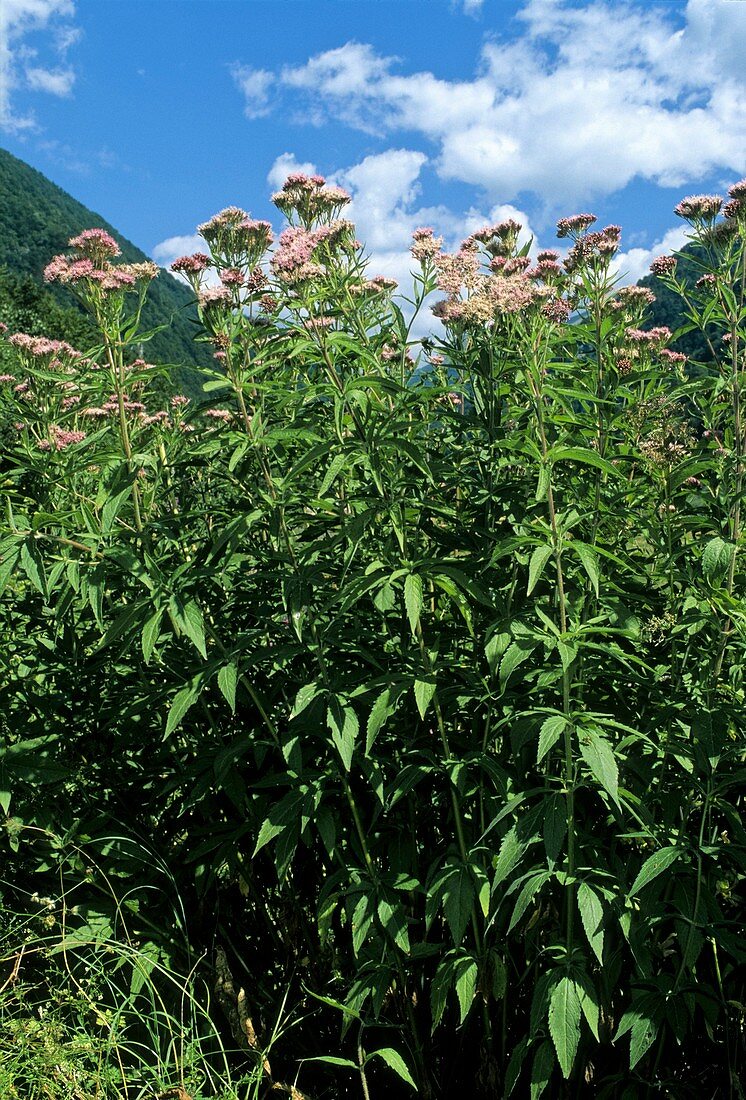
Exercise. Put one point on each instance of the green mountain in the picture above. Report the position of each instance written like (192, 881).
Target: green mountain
(37, 219)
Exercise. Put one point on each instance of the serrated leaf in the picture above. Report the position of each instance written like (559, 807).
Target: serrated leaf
(716, 560)
(568, 651)
(528, 892)
(380, 712)
(589, 561)
(653, 866)
(33, 566)
(515, 1065)
(542, 1069)
(188, 618)
(591, 914)
(458, 901)
(394, 1060)
(512, 851)
(344, 726)
(551, 731)
(182, 701)
(494, 649)
(304, 698)
(599, 756)
(150, 634)
(555, 827)
(515, 655)
(564, 1022)
(466, 971)
(227, 680)
(332, 1060)
(110, 510)
(539, 559)
(423, 693)
(336, 466)
(413, 599)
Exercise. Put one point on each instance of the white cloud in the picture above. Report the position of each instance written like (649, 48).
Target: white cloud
(18, 18)
(57, 82)
(283, 166)
(635, 263)
(587, 98)
(255, 85)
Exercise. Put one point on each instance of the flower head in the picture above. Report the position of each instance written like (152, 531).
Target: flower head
(96, 244)
(575, 224)
(699, 209)
(664, 265)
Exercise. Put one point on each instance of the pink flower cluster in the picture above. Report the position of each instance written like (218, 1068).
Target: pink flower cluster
(663, 265)
(425, 246)
(699, 209)
(90, 265)
(59, 439)
(295, 259)
(575, 225)
(310, 198)
(97, 244)
(592, 249)
(191, 265)
(39, 347)
(236, 236)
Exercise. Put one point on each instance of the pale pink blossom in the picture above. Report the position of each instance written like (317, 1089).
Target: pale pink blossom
(699, 208)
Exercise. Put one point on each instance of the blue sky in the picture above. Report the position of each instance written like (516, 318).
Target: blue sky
(157, 113)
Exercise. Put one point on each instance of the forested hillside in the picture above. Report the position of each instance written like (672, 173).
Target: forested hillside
(37, 219)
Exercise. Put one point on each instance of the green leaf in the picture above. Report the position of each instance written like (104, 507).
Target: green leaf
(150, 634)
(716, 559)
(551, 731)
(528, 892)
(589, 561)
(394, 1060)
(304, 698)
(515, 655)
(336, 466)
(542, 1069)
(585, 456)
(227, 680)
(653, 866)
(182, 701)
(539, 559)
(110, 510)
(466, 971)
(555, 827)
(512, 850)
(458, 901)
(344, 726)
(380, 712)
(33, 566)
(564, 1022)
(591, 914)
(423, 693)
(413, 599)
(332, 1060)
(599, 756)
(188, 618)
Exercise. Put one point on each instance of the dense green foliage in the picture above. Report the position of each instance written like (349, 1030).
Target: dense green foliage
(37, 219)
(407, 690)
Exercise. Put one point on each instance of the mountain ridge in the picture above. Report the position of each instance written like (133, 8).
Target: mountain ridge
(37, 219)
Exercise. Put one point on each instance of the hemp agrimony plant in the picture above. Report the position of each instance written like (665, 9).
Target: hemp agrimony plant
(420, 664)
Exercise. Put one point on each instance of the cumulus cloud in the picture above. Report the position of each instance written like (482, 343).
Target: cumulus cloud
(635, 262)
(584, 100)
(18, 18)
(282, 168)
(255, 84)
(57, 82)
